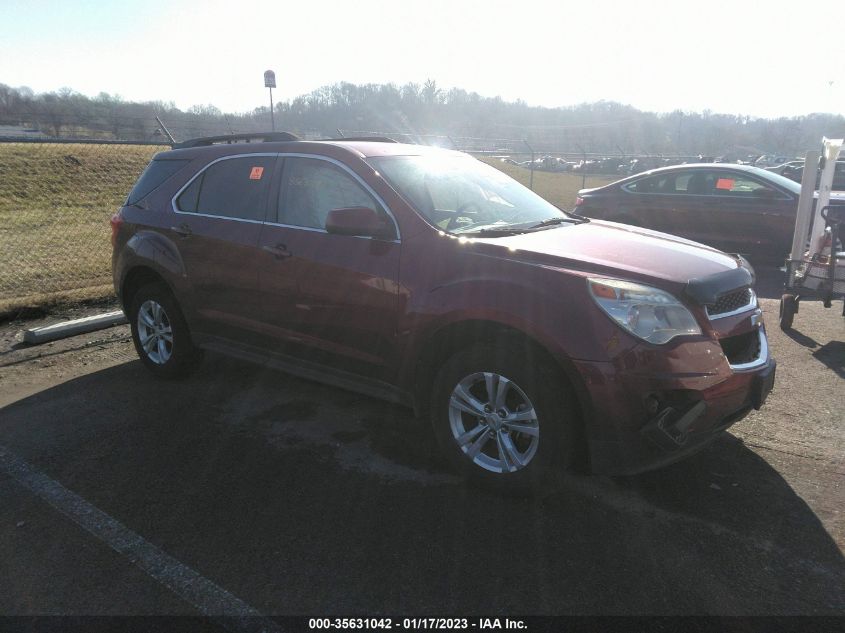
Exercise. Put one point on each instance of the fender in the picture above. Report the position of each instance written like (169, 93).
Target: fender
(151, 249)
(551, 309)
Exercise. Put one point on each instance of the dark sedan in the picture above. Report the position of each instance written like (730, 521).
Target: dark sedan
(736, 208)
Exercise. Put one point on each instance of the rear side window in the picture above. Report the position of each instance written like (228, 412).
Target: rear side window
(154, 175)
(653, 184)
(231, 188)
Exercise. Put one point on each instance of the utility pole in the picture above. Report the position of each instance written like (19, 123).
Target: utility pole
(680, 123)
(270, 82)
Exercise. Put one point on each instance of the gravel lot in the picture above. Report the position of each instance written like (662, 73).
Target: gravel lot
(301, 499)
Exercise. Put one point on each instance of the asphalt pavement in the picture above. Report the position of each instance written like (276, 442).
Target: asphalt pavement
(241, 488)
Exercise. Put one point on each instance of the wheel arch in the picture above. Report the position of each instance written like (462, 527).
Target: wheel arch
(447, 340)
(135, 278)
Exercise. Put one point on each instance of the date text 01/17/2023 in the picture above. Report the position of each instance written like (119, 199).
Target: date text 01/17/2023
(415, 624)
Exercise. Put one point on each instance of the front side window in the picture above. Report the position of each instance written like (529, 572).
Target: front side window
(312, 187)
(741, 186)
(232, 188)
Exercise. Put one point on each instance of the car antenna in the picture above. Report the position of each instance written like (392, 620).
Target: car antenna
(166, 131)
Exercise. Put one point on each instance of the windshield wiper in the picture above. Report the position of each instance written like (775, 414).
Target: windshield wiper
(494, 232)
(559, 220)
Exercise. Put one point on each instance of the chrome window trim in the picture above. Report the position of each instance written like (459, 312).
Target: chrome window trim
(752, 303)
(220, 217)
(278, 155)
(200, 173)
(312, 229)
(761, 360)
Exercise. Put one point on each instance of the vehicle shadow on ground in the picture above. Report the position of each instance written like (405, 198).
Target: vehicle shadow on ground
(832, 354)
(302, 499)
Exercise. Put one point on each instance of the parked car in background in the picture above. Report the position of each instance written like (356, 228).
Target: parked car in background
(736, 208)
(796, 173)
(786, 168)
(533, 340)
(770, 160)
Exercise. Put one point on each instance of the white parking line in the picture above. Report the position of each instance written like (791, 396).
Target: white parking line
(208, 598)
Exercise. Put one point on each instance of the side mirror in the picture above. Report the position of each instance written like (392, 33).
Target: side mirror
(359, 221)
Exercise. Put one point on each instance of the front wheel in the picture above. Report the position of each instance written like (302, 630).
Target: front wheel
(160, 333)
(500, 420)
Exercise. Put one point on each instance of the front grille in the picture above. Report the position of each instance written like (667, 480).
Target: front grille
(742, 348)
(731, 302)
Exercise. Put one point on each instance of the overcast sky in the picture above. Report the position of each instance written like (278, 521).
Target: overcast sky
(764, 58)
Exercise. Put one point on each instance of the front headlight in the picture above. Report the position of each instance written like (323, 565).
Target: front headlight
(648, 313)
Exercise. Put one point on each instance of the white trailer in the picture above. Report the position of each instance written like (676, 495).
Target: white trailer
(816, 264)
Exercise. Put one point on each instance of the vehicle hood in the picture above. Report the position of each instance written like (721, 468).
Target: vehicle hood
(605, 247)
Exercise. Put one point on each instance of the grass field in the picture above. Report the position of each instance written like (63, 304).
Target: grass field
(56, 201)
(55, 205)
(560, 189)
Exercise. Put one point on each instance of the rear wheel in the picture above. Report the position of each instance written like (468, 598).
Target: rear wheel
(500, 419)
(160, 333)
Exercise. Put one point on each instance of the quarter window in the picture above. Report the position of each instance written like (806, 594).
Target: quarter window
(187, 200)
(314, 187)
(232, 188)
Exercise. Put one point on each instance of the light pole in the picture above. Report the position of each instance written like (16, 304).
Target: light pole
(270, 82)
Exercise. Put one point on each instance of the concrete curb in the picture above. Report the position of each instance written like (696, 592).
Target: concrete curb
(38, 335)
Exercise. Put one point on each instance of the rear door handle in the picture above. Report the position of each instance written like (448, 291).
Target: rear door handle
(183, 230)
(280, 251)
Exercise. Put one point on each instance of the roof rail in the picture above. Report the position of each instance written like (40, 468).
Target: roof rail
(266, 137)
(373, 139)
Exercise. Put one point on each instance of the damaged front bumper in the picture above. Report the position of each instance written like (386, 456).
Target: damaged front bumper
(642, 420)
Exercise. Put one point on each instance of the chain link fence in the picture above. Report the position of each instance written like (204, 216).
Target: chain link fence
(55, 203)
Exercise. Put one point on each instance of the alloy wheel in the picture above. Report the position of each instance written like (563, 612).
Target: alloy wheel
(155, 332)
(493, 422)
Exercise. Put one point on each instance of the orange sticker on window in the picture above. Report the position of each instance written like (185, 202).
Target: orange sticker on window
(725, 183)
(256, 173)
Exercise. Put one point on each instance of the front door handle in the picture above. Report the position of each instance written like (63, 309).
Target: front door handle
(183, 230)
(279, 251)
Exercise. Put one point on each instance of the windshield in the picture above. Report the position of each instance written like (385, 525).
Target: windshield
(460, 194)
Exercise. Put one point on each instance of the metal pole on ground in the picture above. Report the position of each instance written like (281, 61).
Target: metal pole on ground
(531, 180)
(584, 165)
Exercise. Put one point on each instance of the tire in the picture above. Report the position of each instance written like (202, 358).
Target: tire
(482, 444)
(160, 333)
(788, 308)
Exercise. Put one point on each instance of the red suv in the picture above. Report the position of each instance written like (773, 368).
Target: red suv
(533, 339)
